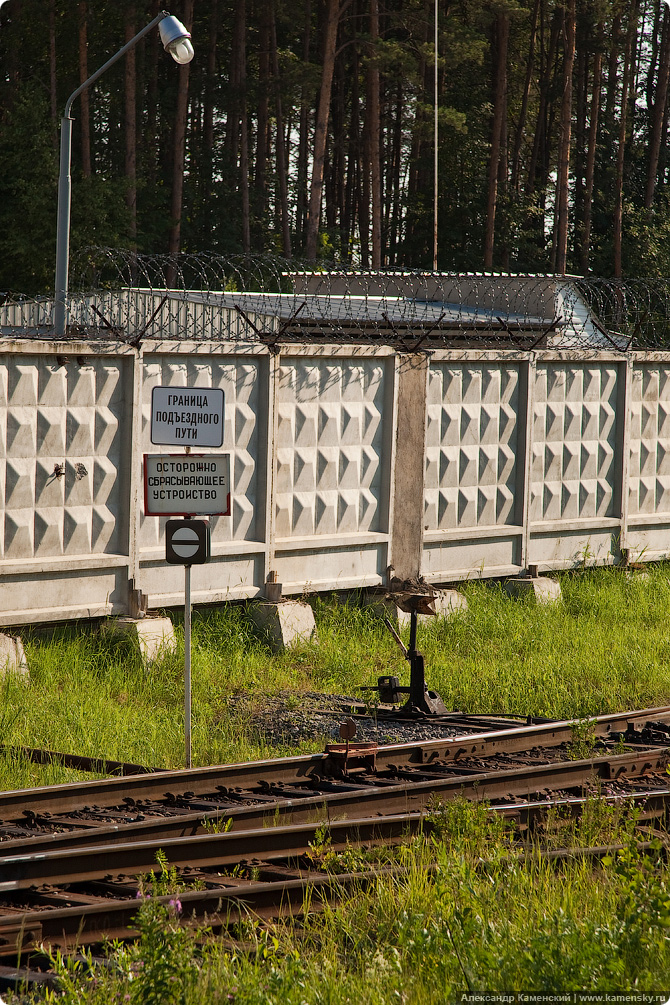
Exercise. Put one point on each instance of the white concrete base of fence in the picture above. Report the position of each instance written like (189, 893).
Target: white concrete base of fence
(286, 623)
(638, 575)
(545, 590)
(12, 656)
(153, 636)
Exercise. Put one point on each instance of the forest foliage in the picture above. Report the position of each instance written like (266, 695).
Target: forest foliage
(306, 129)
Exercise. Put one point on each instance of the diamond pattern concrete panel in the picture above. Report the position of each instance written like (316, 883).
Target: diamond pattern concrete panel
(471, 445)
(60, 420)
(329, 446)
(574, 441)
(649, 477)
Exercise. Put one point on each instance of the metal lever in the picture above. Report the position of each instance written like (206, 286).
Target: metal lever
(395, 635)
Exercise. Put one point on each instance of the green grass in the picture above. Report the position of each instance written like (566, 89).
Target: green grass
(605, 647)
(427, 938)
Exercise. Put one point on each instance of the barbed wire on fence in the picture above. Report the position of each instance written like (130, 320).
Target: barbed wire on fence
(121, 295)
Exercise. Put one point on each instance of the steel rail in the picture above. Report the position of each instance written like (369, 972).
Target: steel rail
(113, 791)
(208, 851)
(650, 804)
(100, 765)
(301, 808)
(347, 814)
(70, 928)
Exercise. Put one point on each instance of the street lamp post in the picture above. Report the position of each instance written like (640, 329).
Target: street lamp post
(176, 41)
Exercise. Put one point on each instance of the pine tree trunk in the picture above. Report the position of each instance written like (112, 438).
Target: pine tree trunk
(415, 221)
(353, 165)
(149, 139)
(237, 72)
(282, 170)
(563, 172)
(663, 156)
(53, 95)
(395, 227)
(652, 64)
(537, 156)
(321, 129)
(612, 74)
(339, 107)
(591, 160)
(581, 75)
(241, 80)
(501, 41)
(262, 133)
(364, 206)
(84, 103)
(303, 130)
(131, 126)
(540, 158)
(208, 120)
(14, 61)
(179, 148)
(621, 149)
(330, 204)
(372, 136)
(244, 179)
(521, 124)
(660, 99)
(503, 169)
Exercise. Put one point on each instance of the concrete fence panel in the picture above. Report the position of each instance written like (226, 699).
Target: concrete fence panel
(474, 464)
(65, 462)
(349, 463)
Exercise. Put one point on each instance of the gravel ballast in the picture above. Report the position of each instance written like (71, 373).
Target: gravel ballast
(285, 718)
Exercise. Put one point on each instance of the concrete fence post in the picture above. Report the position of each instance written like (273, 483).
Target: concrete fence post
(406, 545)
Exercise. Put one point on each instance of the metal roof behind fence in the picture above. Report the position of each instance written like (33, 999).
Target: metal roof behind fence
(244, 298)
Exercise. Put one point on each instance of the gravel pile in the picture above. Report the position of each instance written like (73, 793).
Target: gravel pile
(285, 718)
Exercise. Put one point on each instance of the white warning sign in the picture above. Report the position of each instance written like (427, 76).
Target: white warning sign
(187, 416)
(187, 484)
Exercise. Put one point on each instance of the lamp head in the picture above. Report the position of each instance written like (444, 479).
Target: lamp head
(176, 40)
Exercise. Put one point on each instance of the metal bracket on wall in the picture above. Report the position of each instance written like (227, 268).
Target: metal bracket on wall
(400, 347)
(272, 588)
(545, 331)
(273, 339)
(138, 602)
(134, 340)
(113, 329)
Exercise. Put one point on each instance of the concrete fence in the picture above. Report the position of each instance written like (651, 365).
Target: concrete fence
(345, 461)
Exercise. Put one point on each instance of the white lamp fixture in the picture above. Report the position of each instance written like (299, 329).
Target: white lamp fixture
(176, 40)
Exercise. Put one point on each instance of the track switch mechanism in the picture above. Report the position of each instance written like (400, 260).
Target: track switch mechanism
(421, 700)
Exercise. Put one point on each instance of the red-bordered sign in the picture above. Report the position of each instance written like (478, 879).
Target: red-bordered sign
(187, 484)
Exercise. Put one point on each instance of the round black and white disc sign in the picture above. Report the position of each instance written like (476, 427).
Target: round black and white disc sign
(187, 542)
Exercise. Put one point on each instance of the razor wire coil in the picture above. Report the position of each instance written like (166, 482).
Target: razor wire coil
(118, 294)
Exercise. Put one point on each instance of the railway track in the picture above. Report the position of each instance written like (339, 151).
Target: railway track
(72, 857)
(270, 895)
(399, 789)
(178, 802)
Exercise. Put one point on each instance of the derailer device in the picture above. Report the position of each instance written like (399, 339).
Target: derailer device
(421, 700)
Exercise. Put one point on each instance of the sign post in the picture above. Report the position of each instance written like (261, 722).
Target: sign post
(187, 485)
(187, 543)
(187, 667)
